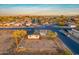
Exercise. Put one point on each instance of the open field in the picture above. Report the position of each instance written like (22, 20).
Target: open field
(28, 46)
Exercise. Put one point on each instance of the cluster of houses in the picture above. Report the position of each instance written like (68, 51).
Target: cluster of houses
(9, 24)
(18, 24)
(42, 33)
(25, 21)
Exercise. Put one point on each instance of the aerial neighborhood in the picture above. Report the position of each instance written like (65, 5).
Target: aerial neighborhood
(31, 21)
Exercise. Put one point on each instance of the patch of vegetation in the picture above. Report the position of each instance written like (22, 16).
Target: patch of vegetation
(67, 53)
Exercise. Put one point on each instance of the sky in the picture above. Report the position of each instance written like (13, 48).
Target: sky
(38, 9)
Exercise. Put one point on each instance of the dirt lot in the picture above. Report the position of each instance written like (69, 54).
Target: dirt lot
(43, 46)
(5, 41)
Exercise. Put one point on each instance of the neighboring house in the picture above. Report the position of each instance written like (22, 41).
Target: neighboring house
(28, 24)
(12, 23)
(35, 24)
(72, 25)
(33, 36)
(1, 24)
(75, 33)
(46, 23)
(43, 32)
(6, 24)
(76, 19)
(18, 24)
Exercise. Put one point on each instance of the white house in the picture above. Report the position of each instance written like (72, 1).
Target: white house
(33, 36)
(18, 24)
(43, 32)
(72, 25)
(28, 24)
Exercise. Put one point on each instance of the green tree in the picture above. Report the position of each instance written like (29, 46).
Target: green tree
(18, 35)
(52, 34)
